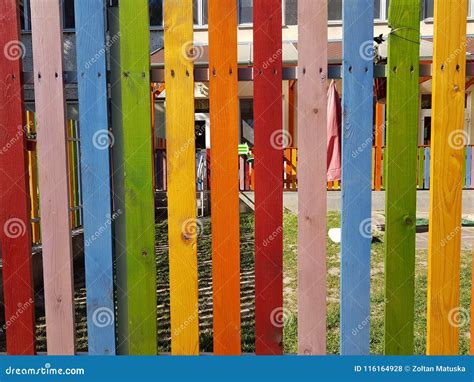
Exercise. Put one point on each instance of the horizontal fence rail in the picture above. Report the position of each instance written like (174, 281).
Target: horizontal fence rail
(201, 74)
(290, 170)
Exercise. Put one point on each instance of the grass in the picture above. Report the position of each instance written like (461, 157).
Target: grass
(377, 292)
(290, 225)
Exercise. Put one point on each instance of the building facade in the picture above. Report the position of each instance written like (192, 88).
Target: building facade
(245, 38)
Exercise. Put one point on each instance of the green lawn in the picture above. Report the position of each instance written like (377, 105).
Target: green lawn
(377, 292)
(248, 292)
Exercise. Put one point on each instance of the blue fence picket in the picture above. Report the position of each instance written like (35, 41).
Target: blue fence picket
(427, 168)
(95, 168)
(356, 175)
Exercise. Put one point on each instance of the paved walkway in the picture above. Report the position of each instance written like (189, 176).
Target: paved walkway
(290, 202)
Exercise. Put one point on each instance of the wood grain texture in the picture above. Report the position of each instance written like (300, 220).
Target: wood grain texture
(312, 169)
(134, 230)
(15, 231)
(95, 168)
(357, 125)
(400, 175)
(447, 157)
(53, 176)
(269, 142)
(224, 109)
(183, 227)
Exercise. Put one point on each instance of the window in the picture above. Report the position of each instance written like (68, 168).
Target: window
(25, 15)
(381, 9)
(67, 15)
(246, 121)
(245, 11)
(200, 13)
(155, 8)
(428, 9)
(335, 10)
(290, 12)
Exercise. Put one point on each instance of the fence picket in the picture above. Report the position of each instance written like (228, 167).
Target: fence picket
(400, 176)
(356, 175)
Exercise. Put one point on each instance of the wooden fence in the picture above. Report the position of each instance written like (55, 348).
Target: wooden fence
(116, 185)
(290, 170)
